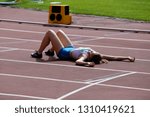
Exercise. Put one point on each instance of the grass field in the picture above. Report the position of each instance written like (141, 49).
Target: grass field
(129, 9)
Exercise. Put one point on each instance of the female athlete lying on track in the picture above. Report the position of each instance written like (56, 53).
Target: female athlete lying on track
(65, 50)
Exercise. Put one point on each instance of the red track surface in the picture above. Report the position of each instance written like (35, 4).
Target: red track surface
(22, 77)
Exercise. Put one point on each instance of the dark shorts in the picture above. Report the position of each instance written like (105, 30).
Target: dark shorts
(64, 53)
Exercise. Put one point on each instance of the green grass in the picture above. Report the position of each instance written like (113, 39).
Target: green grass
(129, 9)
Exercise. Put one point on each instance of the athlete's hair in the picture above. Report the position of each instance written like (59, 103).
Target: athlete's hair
(96, 58)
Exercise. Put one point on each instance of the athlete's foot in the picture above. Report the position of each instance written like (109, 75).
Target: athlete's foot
(36, 55)
(49, 53)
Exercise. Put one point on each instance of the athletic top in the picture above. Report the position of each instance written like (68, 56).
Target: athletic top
(77, 52)
(71, 52)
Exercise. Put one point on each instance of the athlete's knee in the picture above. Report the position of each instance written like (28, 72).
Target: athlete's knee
(60, 32)
(50, 32)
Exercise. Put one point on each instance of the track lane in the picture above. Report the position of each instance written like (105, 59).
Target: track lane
(24, 41)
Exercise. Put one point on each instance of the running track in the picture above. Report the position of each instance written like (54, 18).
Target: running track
(22, 77)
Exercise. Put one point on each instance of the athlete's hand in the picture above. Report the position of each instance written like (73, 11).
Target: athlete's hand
(104, 61)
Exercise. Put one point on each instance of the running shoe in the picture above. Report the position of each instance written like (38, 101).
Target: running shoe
(36, 55)
(49, 53)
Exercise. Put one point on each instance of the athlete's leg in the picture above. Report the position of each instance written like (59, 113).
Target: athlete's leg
(64, 38)
(52, 37)
(117, 58)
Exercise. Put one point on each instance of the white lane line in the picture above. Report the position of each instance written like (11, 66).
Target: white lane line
(69, 81)
(113, 38)
(79, 41)
(93, 84)
(76, 43)
(20, 39)
(126, 39)
(8, 50)
(27, 31)
(124, 87)
(114, 47)
(6, 47)
(97, 79)
(41, 78)
(37, 32)
(145, 60)
(15, 42)
(116, 34)
(71, 66)
(24, 96)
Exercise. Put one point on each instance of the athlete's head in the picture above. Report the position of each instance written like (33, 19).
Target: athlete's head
(95, 57)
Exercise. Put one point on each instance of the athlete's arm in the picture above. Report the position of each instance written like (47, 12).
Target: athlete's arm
(81, 62)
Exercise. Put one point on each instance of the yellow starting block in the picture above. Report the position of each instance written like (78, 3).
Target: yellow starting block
(59, 14)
